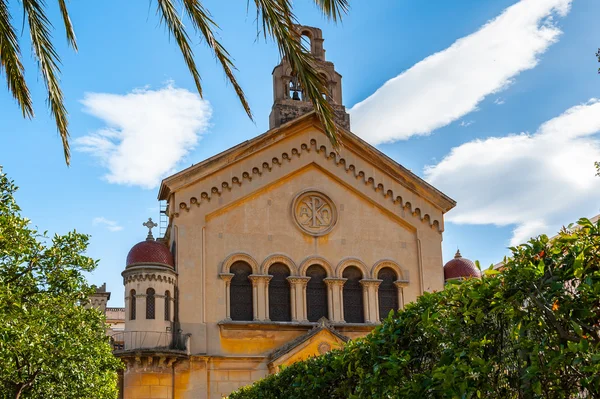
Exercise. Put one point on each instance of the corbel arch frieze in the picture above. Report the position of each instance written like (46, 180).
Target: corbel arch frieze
(316, 260)
(400, 203)
(344, 263)
(278, 258)
(240, 257)
(392, 265)
(163, 278)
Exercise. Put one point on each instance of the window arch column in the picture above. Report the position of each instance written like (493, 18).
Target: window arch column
(260, 296)
(298, 297)
(370, 300)
(400, 285)
(335, 298)
(226, 277)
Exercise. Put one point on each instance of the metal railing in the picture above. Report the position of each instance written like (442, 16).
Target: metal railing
(130, 340)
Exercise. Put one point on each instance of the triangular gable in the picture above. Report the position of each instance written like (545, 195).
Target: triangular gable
(321, 339)
(349, 140)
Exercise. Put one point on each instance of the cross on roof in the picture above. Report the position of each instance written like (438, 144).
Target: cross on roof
(149, 224)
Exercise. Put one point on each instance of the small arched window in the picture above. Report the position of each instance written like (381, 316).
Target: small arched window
(388, 293)
(240, 292)
(150, 302)
(279, 293)
(316, 293)
(306, 42)
(132, 305)
(353, 295)
(167, 306)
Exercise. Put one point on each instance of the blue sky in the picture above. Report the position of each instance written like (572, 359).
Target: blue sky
(491, 101)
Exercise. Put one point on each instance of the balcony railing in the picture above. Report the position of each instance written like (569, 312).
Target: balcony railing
(149, 340)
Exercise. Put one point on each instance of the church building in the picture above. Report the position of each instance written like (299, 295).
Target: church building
(276, 250)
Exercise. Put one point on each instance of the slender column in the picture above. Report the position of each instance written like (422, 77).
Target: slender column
(400, 284)
(335, 302)
(370, 303)
(260, 303)
(298, 297)
(227, 278)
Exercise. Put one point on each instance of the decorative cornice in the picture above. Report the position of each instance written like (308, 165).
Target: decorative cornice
(255, 278)
(141, 276)
(285, 158)
(226, 276)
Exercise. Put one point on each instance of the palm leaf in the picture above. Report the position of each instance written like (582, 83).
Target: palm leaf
(170, 17)
(10, 62)
(48, 61)
(202, 22)
(333, 9)
(68, 25)
(279, 22)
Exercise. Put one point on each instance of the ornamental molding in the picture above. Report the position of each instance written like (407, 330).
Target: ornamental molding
(278, 258)
(344, 263)
(387, 263)
(298, 280)
(332, 281)
(313, 212)
(239, 257)
(255, 278)
(401, 283)
(286, 158)
(138, 277)
(370, 282)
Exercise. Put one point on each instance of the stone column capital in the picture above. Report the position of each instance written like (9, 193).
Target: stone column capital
(332, 281)
(226, 276)
(401, 283)
(366, 282)
(298, 280)
(256, 278)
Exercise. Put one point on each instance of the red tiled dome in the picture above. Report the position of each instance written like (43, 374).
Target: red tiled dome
(460, 267)
(150, 252)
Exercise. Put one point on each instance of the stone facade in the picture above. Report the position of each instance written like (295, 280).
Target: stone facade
(285, 200)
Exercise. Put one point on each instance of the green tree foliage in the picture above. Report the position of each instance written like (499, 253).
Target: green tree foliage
(529, 331)
(50, 345)
(275, 18)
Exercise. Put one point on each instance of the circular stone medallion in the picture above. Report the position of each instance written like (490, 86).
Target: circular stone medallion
(314, 212)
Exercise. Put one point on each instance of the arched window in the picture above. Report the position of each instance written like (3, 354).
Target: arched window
(132, 305)
(167, 306)
(150, 302)
(279, 293)
(240, 295)
(316, 293)
(353, 295)
(306, 42)
(388, 293)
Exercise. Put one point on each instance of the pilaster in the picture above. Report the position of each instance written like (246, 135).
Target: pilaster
(400, 285)
(226, 277)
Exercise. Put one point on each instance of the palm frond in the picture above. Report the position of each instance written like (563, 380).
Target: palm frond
(278, 21)
(10, 62)
(68, 25)
(333, 9)
(204, 23)
(48, 61)
(170, 17)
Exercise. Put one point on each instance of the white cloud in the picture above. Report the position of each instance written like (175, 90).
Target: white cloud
(451, 83)
(499, 101)
(536, 182)
(466, 123)
(147, 132)
(110, 225)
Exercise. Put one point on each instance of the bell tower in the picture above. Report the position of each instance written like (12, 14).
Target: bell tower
(289, 101)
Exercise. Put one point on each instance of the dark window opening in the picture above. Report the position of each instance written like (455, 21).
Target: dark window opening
(167, 306)
(388, 293)
(279, 293)
(150, 302)
(316, 293)
(132, 305)
(353, 295)
(241, 292)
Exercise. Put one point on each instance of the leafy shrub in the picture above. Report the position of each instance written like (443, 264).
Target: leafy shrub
(528, 331)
